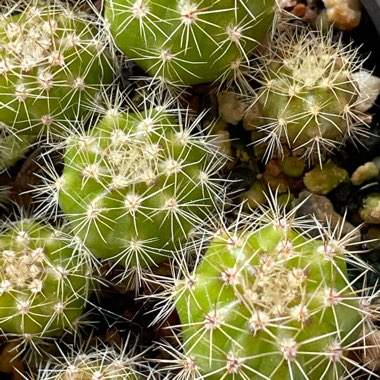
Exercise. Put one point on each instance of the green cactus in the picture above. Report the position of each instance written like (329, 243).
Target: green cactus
(308, 99)
(53, 63)
(44, 280)
(13, 147)
(135, 185)
(269, 302)
(189, 42)
(99, 362)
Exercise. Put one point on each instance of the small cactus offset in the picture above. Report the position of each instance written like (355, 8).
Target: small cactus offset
(44, 280)
(189, 42)
(268, 302)
(135, 185)
(308, 98)
(53, 63)
(99, 362)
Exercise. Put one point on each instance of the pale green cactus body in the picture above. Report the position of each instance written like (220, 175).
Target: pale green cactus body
(53, 63)
(308, 98)
(186, 41)
(44, 280)
(266, 302)
(135, 185)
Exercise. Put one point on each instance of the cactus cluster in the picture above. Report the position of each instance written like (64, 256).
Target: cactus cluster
(267, 301)
(189, 42)
(137, 176)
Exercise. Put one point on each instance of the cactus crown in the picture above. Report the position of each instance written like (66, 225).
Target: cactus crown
(99, 362)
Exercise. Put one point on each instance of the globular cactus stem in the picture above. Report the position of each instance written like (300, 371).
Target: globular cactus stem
(308, 98)
(53, 63)
(45, 280)
(268, 301)
(135, 185)
(100, 362)
(189, 42)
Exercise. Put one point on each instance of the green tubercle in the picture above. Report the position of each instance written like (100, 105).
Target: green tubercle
(13, 148)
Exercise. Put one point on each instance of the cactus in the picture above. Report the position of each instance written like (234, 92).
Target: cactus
(13, 148)
(267, 301)
(135, 185)
(189, 42)
(308, 98)
(99, 362)
(53, 63)
(44, 280)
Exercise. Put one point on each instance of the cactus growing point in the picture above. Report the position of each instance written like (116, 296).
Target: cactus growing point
(99, 362)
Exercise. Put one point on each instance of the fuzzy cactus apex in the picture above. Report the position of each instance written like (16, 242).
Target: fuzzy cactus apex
(53, 63)
(189, 41)
(267, 301)
(135, 185)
